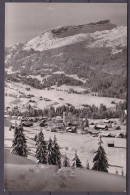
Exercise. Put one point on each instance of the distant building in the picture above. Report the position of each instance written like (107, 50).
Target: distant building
(40, 98)
(101, 127)
(58, 119)
(110, 143)
(106, 120)
(46, 99)
(57, 127)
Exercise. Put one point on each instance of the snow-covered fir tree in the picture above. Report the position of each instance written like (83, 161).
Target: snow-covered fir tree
(56, 153)
(41, 150)
(87, 165)
(66, 162)
(50, 152)
(100, 159)
(19, 142)
(77, 162)
(37, 137)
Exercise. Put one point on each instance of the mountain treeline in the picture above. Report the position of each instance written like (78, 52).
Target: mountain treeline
(92, 112)
(105, 85)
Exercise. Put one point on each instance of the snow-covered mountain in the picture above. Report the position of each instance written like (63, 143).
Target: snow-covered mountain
(64, 35)
(114, 38)
(96, 35)
(91, 51)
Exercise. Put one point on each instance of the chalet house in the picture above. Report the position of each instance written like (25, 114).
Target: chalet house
(111, 143)
(46, 99)
(58, 119)
(40, 98)
(107, 121)
(28, 89)
(74, 124)
(57, 127)
(101, 127)
(32, 101)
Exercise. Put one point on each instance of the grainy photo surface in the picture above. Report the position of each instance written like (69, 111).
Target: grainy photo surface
(65, 97)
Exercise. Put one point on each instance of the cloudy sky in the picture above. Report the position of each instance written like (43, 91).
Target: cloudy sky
(23, 21)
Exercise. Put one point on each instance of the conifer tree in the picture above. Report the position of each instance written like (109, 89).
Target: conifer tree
(41, 150)
(87, 165)
(38, 137)
(77, 162)
(66, 162)
(100, 159)
(19, 142)
(56, 155)
(50, 152)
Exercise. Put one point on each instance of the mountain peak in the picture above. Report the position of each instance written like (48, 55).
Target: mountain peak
(64, 31)
(65, 35)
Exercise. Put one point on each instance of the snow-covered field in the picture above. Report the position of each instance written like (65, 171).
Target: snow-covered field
(54, 95)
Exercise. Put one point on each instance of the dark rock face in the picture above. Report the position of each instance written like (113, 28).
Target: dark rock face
(66, 31)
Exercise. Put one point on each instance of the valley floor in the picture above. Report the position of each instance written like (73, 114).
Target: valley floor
(58, 96)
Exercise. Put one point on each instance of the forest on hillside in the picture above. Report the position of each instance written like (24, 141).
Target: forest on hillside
(92, 112)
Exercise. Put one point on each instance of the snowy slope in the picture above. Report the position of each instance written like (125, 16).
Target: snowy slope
(54, 95)
(47, 41)
(115, 38)
(10, 158)
(48, 178)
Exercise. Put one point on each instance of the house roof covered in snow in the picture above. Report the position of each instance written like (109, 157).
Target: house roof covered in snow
(100, 126)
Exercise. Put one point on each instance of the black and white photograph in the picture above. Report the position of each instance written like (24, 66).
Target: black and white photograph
(65, 97)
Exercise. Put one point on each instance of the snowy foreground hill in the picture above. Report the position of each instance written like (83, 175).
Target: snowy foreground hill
(26, 176)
